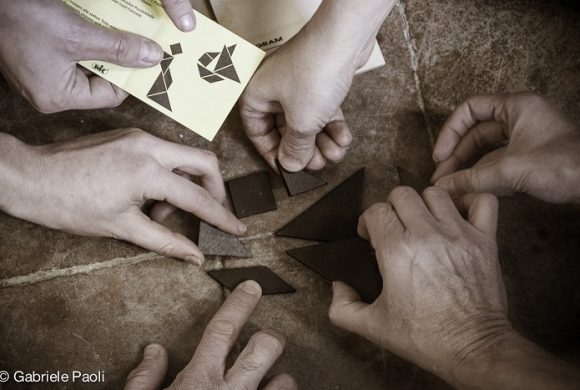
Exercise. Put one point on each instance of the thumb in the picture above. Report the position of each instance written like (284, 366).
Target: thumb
(117, 47)
(296, 150)
(485, 178)
(150, 373)
(346, 310)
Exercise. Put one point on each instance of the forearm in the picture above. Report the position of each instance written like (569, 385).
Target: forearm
(514, 363)
(349, 26)
(13, 154)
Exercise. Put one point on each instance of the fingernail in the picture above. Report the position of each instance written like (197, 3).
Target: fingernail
(151, 53)
(186, 23)
(152, 351)
(291, 164)
(242, 227)
(251, 287)
(194, 259)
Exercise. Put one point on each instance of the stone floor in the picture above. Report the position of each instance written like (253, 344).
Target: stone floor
(73, 303)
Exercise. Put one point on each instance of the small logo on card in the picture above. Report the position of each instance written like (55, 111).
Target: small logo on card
(100, 68)
(216, 66)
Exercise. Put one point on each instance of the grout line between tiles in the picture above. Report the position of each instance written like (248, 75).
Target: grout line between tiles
(414, 54)
(44, 275)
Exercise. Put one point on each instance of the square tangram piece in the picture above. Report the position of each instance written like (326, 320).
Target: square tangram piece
(268, 280)
(252, 194)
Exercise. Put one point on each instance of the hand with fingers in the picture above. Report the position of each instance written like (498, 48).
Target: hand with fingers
(443, 304)
(97, 186)
(291, 109)
(207, 369)
(42, 42)
(535, 149)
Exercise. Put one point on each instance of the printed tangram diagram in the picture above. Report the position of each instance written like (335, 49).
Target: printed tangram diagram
(159, 91)
(224, 67)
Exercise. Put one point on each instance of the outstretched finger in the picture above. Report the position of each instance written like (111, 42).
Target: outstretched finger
(347, 311)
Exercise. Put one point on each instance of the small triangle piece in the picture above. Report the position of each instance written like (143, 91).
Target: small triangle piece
(332, 218)
(214, 242)
(161, 99)
(297, 183)
(165, 64)
(158, 86)
(409, 179)
(203, 72)
(232, 49)
(268, 280)
(229, 73)
(352, 262)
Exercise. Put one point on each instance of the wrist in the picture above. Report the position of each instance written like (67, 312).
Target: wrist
(511, 361)
(348, 29)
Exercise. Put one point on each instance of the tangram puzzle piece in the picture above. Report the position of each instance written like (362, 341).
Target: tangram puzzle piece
(332, 218)
(224, 68)
(268, 280)
(159, 91)
(214, 242)
(352, 262)
(297, 183)
(408, 179)
(252, 194)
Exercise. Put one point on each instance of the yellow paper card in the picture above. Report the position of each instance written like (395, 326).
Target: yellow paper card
(202, 75)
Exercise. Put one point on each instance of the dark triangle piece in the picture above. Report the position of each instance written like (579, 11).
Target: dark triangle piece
(168, 79)
(158, 86)
(214, 242)
(165, 64)
(167, 56)
(212, 54)
(408, 179)
(161, 99)
(213, 78)
(230, 73)
(352, 262)
(224, 60)
(297, 183)
(268, 280)
(232, 49)
(332, 218)
(203, 72)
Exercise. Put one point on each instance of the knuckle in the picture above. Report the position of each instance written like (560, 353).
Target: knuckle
(264, 341)
(203, 199)
(435, 193)
(222, 329)
(401, 192)
(212, 160)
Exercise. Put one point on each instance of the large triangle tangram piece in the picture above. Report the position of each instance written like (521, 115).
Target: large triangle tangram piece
(332, 218)
(158, 86)
(297, 183)
(224, 60)
(268, 280)
(409, 179)
(214, 242)
(229, 73)
(352, 262)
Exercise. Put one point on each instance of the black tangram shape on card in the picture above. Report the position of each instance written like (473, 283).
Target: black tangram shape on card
(352, 262)
(332, 218)
(159, 91)
(268, 280)
(223, 69)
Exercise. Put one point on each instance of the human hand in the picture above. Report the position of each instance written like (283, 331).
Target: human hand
(537, 149)
(42, 42)
(97, 186)
(181, 13)
(207, 368)
(443, 303)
